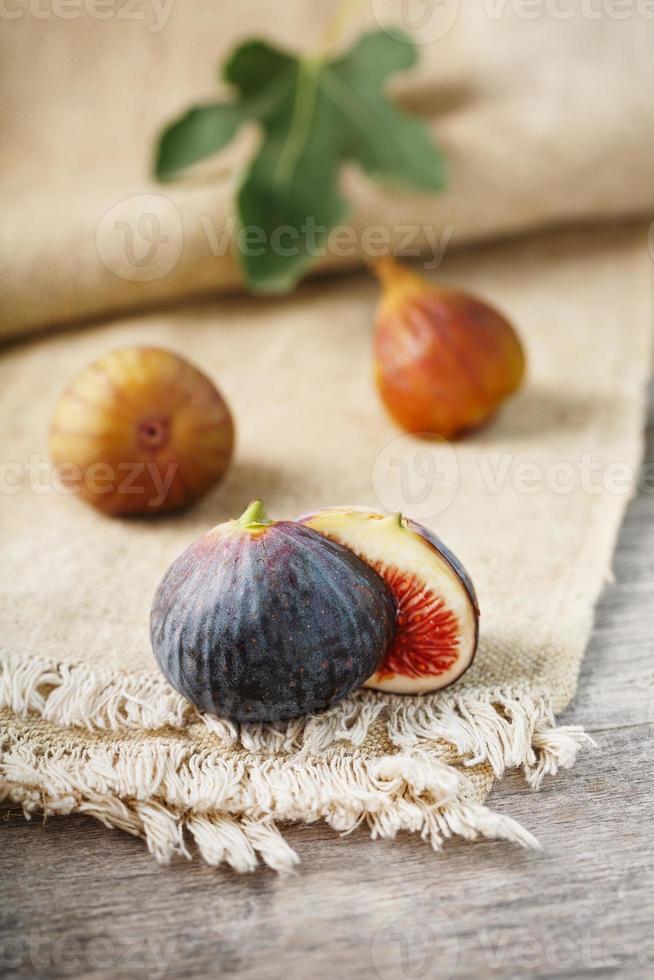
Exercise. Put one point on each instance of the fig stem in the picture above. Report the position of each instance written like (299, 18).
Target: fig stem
(399, 282)
(254, 514)
(397, 275)
(395, 520)
(386, 268)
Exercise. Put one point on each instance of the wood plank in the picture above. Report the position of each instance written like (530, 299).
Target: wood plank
(581, 906)
(616, 686)
(79, 900)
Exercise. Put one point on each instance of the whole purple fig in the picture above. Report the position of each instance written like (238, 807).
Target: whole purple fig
(266, 621)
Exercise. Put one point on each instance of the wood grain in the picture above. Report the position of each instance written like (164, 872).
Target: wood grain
(81, 901)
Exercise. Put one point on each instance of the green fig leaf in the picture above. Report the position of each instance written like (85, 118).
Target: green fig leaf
(314, 116)
(290, 190)
(389, 144)
(255, 65)
(199, 133)
(255, 69)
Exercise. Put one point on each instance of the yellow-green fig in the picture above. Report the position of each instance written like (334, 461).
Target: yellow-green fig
(140, 431)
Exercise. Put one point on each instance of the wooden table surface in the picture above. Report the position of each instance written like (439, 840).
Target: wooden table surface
(79, 900)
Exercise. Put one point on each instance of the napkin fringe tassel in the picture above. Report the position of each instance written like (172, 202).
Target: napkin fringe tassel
(182, 797)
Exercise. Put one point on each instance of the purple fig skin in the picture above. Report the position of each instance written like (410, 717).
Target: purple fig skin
(449, 557)
(269, 624)
(462, 574)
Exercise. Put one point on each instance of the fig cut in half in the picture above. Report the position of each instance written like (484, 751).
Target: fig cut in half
(437, 612)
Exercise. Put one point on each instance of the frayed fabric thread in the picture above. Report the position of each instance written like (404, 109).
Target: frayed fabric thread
(393, 763)
(505, 727)
(230, 807)
(76, 696)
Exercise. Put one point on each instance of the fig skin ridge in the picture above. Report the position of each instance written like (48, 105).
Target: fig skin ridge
(266, 621)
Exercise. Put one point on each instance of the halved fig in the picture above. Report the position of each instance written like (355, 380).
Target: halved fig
(438, 615)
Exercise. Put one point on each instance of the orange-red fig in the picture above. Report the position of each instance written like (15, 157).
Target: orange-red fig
(444, 360)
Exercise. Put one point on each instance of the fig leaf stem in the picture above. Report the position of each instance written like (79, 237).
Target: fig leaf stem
(345, 12)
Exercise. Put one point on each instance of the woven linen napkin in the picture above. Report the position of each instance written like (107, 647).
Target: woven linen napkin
(531, 505)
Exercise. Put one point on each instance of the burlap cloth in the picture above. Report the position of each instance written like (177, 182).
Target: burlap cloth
(542, 120)
(531, 505)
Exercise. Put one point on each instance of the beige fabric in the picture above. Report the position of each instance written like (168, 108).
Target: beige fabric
(76, 587)
(542, 118)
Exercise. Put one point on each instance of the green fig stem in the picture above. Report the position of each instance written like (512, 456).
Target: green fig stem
(395, 520)
(254, 515)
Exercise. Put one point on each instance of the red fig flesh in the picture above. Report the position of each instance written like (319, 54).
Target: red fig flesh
(438, 616)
